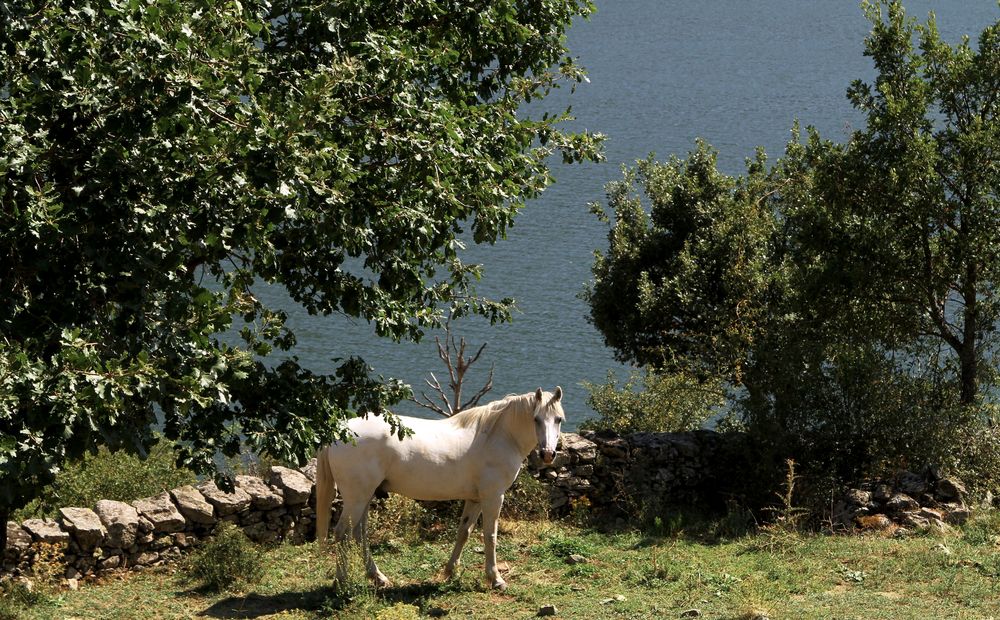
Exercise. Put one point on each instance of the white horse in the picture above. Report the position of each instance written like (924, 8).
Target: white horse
(474, 455)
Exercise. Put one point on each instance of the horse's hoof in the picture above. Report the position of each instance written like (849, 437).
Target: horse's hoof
(500, 585)
(381, 581)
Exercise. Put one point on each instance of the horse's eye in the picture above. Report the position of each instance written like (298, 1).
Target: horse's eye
(560, 420)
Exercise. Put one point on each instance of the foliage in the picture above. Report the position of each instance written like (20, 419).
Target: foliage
(846, 291)
(229, 561)
(119, 476)
(683, 287)
(667, 402)
(159, 160)
(526, 499)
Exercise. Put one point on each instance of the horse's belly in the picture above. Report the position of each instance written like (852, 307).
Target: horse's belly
(433, 483)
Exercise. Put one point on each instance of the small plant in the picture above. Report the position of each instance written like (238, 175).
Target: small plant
(230, 561)
(527, 499)
(787, 516)
(48, 567)
(18, 596)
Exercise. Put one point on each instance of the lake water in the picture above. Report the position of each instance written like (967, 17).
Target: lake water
(662, 73)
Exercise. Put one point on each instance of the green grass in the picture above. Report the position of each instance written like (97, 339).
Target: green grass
(628, 575)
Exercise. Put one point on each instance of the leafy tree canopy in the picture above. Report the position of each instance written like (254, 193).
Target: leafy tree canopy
(851, 289)
(158, 158)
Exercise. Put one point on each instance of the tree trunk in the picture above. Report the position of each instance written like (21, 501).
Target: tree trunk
(4, 515)
(968, 371)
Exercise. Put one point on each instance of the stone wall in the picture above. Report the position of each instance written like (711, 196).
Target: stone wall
(629, 473)
(154, 530)
(620, 476)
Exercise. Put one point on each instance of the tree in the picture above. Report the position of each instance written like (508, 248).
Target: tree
(851, 289)
(158, 160)
(453, 355)
(910, 205)
(684, 286)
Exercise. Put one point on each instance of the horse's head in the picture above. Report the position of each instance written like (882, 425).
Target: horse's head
(549, 417)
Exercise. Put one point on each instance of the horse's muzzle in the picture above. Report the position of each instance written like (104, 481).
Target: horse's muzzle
(547, 456)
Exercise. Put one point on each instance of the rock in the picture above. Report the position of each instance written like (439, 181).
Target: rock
(294, 485)
(955, 514)
(950, 490)
(110, 563)
(547, 610)
(225, 503)
(73, 584)
(192, 505)
(873, 522)
(614, 447)
(46, 531)
(931, 514)
(121, 521)
(160, 512)
(262, 496)
(881, 493)
(309, 470)
(575, 558)
(691, 613)
(18, 540)
(913, 519)
(910, 483)
(901, 502)
(581, 449)
(84, 525)
(145, 559)
(857, 497)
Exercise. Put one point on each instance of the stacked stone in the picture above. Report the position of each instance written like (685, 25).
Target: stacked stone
(908, 501)
(616, 472)
(159, 529)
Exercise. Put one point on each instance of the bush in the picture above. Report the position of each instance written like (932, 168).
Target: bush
(667, 402)
(526, 499)
(230, 561)
(117, 476)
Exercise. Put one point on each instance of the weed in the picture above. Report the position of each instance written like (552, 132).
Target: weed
(229, 561)
(18, 596)
(526, 499)
(48, 566)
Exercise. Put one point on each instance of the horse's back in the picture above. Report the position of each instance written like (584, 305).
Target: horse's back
(434, 462)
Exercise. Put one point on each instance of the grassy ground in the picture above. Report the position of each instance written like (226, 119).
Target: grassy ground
(627, 575)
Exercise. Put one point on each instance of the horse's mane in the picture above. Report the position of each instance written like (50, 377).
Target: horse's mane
(484, 418)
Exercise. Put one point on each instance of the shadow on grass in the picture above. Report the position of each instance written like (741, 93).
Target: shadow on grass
(256, 605)
(328, 598)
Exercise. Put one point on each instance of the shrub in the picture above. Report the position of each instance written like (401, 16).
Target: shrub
(229, 561)
(526, 499)
(666, 402)
(117, 476)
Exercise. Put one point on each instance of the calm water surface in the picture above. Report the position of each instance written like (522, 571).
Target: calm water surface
(662, 73)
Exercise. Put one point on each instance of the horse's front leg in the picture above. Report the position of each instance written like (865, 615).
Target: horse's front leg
(361, 538)
(470, 514)
(491, 514)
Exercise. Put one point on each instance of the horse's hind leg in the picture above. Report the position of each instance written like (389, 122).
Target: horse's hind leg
(351, 514)
(470, 514)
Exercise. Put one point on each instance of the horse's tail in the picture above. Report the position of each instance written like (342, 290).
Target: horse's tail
(326, 489)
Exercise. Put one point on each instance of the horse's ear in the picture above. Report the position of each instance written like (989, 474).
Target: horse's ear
(558, 394)
(538, 394)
